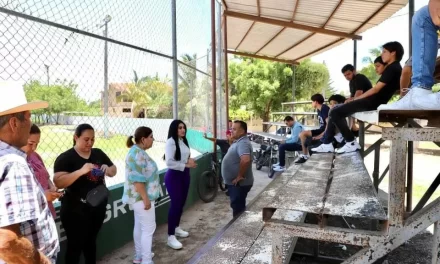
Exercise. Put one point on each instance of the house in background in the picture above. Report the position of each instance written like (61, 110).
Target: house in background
(118, 105)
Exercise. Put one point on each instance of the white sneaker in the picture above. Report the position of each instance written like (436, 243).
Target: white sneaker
(279, 169)
(276, 165)
(180, 232)
(174, 243)
(415, 99)
(349, 147)
(324, 148)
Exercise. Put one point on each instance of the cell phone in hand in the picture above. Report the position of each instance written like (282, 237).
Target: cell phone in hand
(97, 173)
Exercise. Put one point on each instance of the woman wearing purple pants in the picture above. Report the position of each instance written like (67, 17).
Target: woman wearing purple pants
(177, 179)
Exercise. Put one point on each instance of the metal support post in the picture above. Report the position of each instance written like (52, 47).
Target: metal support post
(220, 64)
(396, 187)
(354, 53)
(376, 167)
(436, 244)
(362, 136)
(226, 68)
(409, 176)
(214, 71)
(174, 51)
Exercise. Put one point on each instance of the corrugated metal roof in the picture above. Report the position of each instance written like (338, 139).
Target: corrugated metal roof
(269, 38)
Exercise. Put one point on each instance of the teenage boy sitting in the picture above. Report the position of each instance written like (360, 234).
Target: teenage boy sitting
(334, 101)
(323, 109)
(381, 93)
(291, 144)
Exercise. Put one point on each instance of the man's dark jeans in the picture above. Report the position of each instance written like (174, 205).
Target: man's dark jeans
(287, 147)
(237, 195)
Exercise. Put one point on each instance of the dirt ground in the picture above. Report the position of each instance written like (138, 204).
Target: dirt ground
(204, 220)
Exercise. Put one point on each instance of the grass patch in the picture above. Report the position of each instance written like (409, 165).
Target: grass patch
(57, 139)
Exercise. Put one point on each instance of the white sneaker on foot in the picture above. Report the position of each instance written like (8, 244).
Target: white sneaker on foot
(276, 165)
(180, 232)
(324, 148)
(174, 243)
(415, 99)
(349, 147)
(279, 169)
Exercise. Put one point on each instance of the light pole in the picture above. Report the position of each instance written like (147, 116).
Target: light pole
(106, 20)
(47, 73)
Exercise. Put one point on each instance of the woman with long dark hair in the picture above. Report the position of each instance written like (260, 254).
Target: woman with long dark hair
(177, 179)
(80, 171)
(141, 189)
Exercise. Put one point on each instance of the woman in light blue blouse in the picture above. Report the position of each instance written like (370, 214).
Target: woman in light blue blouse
(141, 189)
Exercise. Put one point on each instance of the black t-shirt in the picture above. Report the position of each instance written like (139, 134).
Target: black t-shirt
(322, 116)
(391, 78)
(70, 161)
(359, 83)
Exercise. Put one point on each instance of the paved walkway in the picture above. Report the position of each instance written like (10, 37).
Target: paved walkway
(202, 220)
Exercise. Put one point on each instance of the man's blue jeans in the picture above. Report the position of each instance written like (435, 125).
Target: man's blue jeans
(237, 195)
(282, 151)
(424, 49)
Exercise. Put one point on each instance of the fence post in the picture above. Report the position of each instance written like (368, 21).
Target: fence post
(174, 48)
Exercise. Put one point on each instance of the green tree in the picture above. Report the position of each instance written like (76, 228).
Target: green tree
(150, 93)
(61, 96)
(262, 85)
(369, 70)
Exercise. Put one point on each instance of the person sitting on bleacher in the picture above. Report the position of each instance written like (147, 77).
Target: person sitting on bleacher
(291, 144)
(315, 134)
(381, 93)
(425, 24)
(334, 101)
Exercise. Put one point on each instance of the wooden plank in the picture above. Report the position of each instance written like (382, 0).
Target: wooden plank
(399, 116)
(294, 113)
(351, 192)
(233, 245)
(261, 250)
(236, 241)
(296, 103)
(306, 190)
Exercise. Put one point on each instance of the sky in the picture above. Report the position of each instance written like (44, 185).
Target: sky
(393, 29)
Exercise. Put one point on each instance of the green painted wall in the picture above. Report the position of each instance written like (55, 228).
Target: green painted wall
(118, 225)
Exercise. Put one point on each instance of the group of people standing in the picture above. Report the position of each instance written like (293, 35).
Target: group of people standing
(27, 229)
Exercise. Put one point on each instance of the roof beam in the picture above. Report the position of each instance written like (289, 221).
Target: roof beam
(292, 25)
(258, 8)
(311, 35)
(373, 15)
(334, 42)
(282, 30)
(224, 4)
(261, 57)
(245, 35)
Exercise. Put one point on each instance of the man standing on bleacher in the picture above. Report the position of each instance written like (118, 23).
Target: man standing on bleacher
(291, 144)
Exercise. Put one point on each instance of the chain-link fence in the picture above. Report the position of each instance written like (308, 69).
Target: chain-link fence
(110, 64)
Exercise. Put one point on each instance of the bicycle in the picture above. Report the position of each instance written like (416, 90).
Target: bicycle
(210, 181)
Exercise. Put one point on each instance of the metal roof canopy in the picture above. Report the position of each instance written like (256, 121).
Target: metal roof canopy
(292, 30)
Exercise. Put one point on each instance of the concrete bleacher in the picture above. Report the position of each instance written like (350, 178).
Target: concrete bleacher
(245, 240)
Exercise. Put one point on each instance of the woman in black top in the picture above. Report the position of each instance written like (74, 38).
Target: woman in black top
(79, 170)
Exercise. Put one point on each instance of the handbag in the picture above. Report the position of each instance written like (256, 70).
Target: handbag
(96, 196)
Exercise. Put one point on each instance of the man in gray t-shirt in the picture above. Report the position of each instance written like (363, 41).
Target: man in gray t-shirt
(237, 168)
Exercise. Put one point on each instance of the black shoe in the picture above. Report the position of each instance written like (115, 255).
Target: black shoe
(300, 160)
